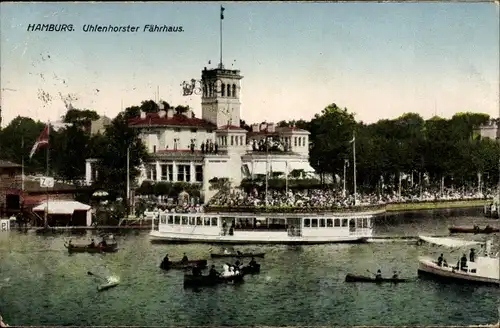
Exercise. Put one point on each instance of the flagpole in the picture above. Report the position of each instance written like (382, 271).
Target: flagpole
(22, 162)
(267, 169)
(354, 158)
(128, 178)
(45, 223)
(221, 19)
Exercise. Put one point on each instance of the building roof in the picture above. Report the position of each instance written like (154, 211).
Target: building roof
(278, 130)
(7, 164)
(231, 128)
(153, 119)
(62, 206)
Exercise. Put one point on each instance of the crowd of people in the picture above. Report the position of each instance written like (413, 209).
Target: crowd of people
(336, 198)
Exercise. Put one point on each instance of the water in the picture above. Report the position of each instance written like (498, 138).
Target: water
(40, 284)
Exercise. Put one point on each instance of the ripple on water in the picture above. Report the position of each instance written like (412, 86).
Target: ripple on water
(298, 285)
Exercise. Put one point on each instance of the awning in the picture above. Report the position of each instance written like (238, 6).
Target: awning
(62, 207)
(258, 168)
(300, 166)
(276, 166)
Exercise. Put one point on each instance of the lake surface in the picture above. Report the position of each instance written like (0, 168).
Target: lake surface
(40, 284)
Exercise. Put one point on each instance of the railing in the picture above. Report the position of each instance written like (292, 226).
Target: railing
(292, 210)
(336, 209)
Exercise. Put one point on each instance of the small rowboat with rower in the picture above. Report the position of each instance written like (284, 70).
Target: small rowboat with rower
(359, 278)
(474, 229)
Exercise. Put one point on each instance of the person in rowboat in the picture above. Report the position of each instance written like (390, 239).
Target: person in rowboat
(252, 262)
(395, 275)
(441, 260)
(213, 273)
(472, 255)
(92, 243)
(185, 259)
(378, 276)
(165, 264)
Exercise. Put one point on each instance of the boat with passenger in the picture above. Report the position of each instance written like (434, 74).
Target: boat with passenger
(475, 269)
(263, 226)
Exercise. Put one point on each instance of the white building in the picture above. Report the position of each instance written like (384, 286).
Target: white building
(189, 149)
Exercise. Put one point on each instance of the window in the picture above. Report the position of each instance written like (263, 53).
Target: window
(198, 221)
(207, 221)
(177, 130)
(163, 219)
(184, 220)
(170, 219)
(232, 140)
(300, 141)
(151, 172)
(176, 143)
(337, 222)
(199, 173)
(307, 223)
(214, 222)
(241, 140)
(234, 90)
(194, 130)
(183, 173)
(365, 223)
(177, 220)
(314, 223)
(191, 220)
(322, 223)
(344, 222)
(329, 223)
(295, 141)
(167, 172)
(154, 149)
(223, 90)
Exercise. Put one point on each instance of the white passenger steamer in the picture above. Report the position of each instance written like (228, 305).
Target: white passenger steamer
(264, 228)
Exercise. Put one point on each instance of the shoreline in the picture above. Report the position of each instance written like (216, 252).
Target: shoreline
(396, 208)
(391, 209)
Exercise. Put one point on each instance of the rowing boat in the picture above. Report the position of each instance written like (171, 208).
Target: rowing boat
(200, 281)
(110, 248)
(237, 255)
(474, 229)
(183, 265)
(358, 278)
(109, 284)
(254, 269)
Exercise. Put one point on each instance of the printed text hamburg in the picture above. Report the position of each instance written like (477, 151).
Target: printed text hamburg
(104, 28)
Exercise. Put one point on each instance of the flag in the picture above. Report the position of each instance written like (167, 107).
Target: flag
(42, 140)
(222, 12)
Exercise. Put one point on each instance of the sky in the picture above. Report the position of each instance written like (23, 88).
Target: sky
(379, 60)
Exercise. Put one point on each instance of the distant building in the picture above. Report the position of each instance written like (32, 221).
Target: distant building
(185, 148)
(99, 125)
(14, 199)
(489, 130)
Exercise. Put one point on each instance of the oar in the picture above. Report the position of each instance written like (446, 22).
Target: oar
(95, 275)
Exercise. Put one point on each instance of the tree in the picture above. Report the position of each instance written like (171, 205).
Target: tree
(112, 156)
(330, 135)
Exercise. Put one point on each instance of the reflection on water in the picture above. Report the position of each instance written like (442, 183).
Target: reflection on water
(41, 284)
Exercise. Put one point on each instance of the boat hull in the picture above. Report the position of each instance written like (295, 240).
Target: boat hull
(429, 269)
(250, 269)
(107, 286)
(358, 278)
(185, 265)
(243, 255)
(472, 230)
(171, 237)
(204, 281)
(86, 249)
